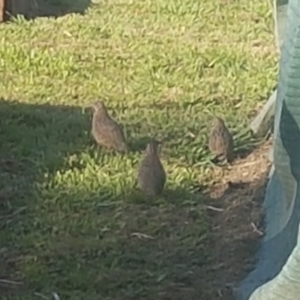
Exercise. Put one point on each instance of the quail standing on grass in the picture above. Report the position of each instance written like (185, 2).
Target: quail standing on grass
(105, 130)
(220, 141)
(151, 173)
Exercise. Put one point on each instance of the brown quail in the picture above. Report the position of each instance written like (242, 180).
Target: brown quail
(151, 173)
(220, 141)
(105, 130)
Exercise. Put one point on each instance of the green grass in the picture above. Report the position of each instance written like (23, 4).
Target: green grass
(163, 67)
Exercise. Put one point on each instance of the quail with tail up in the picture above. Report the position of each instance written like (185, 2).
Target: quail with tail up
(220, 141)
(151, 173)
(106, 132)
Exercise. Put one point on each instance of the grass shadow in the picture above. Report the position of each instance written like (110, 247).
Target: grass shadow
(138, 145)
(31, 138)
(35, 140)
(118, 250)
(32, 9)
(85, 241)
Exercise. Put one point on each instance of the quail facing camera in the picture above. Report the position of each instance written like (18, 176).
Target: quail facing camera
(220, 141)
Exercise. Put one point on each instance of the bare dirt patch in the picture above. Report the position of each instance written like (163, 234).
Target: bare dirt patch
(236, 224)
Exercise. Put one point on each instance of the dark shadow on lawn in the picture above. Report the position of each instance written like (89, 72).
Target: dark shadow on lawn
(72, 227)
(125, 251)
(35, 139)
(31, 9)
(78, 243)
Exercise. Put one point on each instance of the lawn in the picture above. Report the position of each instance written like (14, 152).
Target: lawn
(71, 218)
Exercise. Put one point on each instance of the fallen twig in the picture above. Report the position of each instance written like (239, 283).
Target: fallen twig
(142, 235)
(10, 282)
(41, 295)
(256, 229)
(19, 210)
(214, 208)
(55, 296)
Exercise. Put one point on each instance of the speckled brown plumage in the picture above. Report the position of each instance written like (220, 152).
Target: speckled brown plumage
(105, 130)
(151, 173)
(221, 141)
